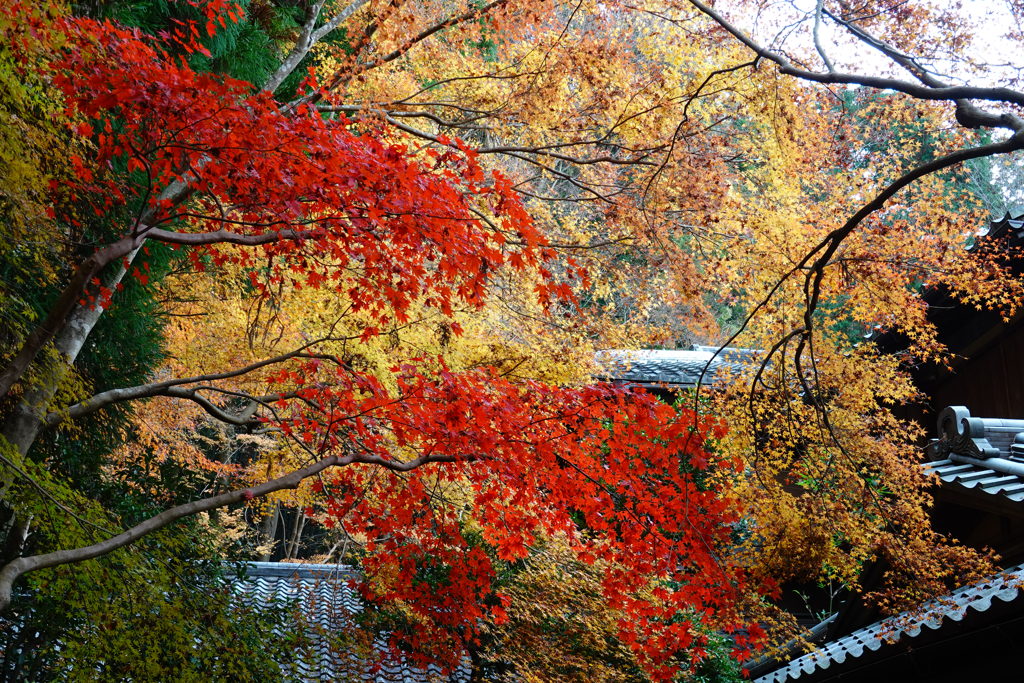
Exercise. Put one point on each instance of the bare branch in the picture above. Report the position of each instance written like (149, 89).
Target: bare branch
(409, 465)
(171, 387)
(310, 36)
(928, 89)
(817, 38)
(228, 237)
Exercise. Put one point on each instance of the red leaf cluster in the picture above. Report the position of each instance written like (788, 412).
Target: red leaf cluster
(617, 472)
(318, 201)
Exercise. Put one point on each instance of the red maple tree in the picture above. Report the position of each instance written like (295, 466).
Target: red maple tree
(278, 189)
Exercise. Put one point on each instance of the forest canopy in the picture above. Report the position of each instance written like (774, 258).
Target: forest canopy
(325, 280)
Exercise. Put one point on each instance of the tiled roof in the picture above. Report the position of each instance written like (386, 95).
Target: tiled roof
(980, 453)
(980, 597)
(673, 367)
(979, 478)
(326, 599)
(1013, 226)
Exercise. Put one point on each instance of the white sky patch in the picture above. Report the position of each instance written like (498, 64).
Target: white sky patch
(990, 54)
(989, 58)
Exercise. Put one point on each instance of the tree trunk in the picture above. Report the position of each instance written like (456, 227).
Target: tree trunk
(16, 537)
(58, 318)
(26, 420)
(292, 547)
(269, 531)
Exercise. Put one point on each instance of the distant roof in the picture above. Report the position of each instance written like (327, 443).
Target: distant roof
(327, 601)
(671, 367)
(896, 634)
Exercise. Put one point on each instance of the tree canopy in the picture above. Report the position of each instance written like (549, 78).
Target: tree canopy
(326, 279)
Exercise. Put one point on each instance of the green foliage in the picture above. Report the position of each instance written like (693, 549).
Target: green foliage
(718, 666)
(249, 50)
(177, 621)
(161, 609)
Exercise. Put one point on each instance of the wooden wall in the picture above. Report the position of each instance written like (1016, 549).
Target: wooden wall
(990, 382)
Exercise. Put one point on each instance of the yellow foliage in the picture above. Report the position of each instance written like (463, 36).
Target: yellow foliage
(834, 478)
(35, 143)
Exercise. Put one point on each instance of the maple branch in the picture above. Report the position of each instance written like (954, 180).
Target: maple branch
(831, 242)
(169, 389)
(967, 114)
(611, 241)
(439, 26)
(445, 123)
(22, 565)
(904, 60)
(172, 388)
(243, 419)
(541, 150)
(567, 178)
(818, 8)
(308, 37)
(229, 237)
(409, 465)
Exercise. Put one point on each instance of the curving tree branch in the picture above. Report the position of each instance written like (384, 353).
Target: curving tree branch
(22, 565)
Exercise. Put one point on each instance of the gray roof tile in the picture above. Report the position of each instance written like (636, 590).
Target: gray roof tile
(980, 453)
(979, 478)
(673, 367)
(327, 599)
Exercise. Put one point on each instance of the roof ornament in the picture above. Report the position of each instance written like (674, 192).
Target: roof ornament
(1017, 447)
(962, 434)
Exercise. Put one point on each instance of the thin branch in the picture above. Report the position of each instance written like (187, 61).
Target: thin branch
(228, 237)
(817, 38)
(22, 565)
(171, 387)
(971, 118)
(830, 244)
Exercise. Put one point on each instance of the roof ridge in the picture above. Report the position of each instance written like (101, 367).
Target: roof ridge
(1005, 585)
(255, 570)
